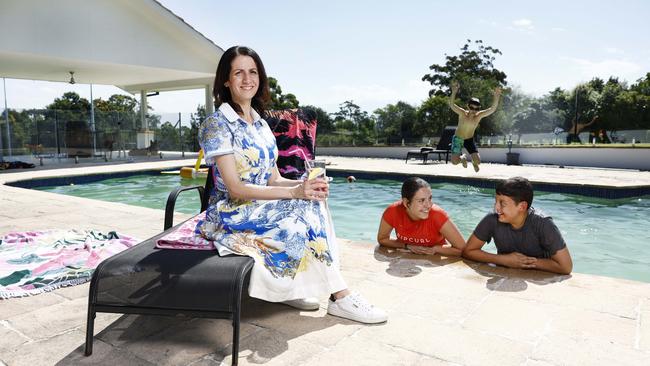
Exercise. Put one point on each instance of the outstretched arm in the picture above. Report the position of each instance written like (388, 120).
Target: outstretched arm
(495, 103)
(454, 107)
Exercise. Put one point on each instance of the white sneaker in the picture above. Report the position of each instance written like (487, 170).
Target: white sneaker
(308, 303)
(355, 307)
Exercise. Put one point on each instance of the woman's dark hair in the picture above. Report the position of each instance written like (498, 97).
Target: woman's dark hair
(517, 188)
(411, 186)
(222, 94)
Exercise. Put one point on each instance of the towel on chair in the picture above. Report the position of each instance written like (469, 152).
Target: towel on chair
(185, 237)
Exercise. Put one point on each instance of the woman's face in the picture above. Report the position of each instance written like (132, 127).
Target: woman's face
(244, 79)
(418, 207)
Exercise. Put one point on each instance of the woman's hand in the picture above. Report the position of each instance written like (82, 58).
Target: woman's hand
(316, 189)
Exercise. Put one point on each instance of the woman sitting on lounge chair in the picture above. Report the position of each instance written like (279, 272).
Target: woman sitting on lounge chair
(283, 224)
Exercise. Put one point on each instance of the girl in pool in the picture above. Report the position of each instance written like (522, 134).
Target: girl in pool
(421, 226)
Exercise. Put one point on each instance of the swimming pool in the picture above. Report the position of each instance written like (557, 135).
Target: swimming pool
(605, 237)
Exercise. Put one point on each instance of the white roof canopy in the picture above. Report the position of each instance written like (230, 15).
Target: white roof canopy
(134, 45)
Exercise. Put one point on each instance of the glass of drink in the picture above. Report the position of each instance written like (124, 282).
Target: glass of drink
(315, 168)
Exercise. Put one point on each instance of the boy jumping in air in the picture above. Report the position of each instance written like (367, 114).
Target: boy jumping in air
(468, 120)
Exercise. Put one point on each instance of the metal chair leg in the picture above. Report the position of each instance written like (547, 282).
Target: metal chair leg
(90, 325)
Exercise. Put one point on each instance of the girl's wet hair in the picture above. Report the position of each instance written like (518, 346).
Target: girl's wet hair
(411, 186)
(222, 94)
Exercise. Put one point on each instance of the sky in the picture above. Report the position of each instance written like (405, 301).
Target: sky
(376, 52)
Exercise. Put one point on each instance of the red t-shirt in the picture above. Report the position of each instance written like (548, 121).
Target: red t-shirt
(420, 232)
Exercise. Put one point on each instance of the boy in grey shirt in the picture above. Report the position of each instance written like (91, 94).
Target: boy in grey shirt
(524, 238)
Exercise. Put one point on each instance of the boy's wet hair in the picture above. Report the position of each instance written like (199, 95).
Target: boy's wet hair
(517, 188)
(411, 186)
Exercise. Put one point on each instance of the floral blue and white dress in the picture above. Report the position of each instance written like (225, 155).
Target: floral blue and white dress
(292, 241)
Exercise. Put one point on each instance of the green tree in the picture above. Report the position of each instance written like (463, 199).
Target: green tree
(433, 115)
(70, 101)
(325, 122)
(192, 136)
(473, 68)
(167, 137)
(396, 121)
(351, 118)
(642, 85)
(279, 100)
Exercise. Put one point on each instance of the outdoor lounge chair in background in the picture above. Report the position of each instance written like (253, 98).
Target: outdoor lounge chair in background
(197, 283)
(443, 147)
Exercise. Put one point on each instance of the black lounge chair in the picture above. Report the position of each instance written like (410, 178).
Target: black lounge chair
(197, 283)
(150, 281)
(443, 147)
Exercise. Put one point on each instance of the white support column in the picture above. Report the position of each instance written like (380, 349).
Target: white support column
(209, 100)
(92, 121)
(144, 135)
(143, 110)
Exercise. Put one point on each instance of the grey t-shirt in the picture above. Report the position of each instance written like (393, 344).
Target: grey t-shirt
(539, 237)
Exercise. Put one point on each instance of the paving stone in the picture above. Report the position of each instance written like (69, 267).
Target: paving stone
(52, 320)
(360, 352)
(523, 320)
(74, 292)
(313, 326)
(21, 305)
(103, 355)
(186, 341)
(439, 309)
(592, 325)
(444, 342)
(429, 361)
(10, 339)
(130, 328)
(270, 347)
(578, 349)
(45, 352)
(644, 328)
(579, 297)
(531, 362)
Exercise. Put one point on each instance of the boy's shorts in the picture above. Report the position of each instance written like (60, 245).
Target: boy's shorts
(457, 144)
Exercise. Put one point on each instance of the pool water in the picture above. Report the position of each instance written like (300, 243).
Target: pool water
(605, 237)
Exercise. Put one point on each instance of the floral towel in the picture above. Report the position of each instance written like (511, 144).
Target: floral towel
(185, 237)
(34, 262)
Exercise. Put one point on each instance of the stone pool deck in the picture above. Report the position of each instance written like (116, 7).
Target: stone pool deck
(442, 311)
